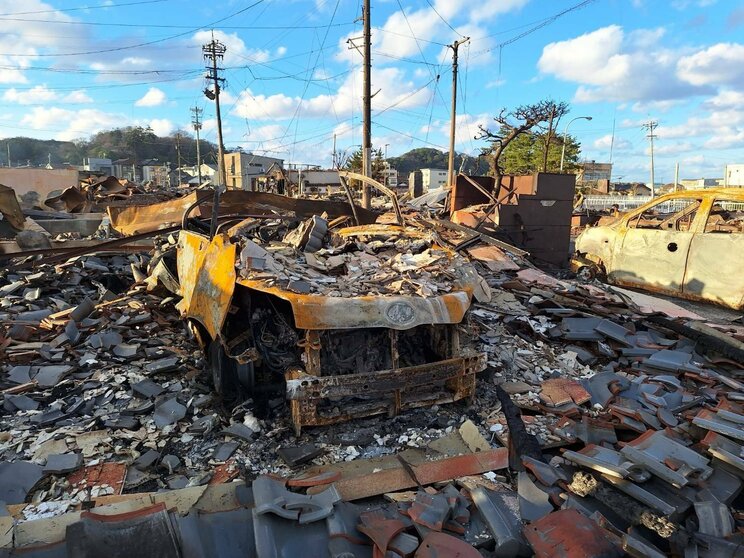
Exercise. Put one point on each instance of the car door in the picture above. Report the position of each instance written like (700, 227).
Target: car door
(716, 258)
(653, 251)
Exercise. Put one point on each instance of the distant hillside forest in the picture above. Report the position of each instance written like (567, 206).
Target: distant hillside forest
(429, 158)
(142, 143)
(122, 143)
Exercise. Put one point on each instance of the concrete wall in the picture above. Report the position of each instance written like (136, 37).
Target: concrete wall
(33, 186)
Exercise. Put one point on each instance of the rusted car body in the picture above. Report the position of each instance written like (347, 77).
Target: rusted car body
(333, 358)
(688, 244)
(341, 357)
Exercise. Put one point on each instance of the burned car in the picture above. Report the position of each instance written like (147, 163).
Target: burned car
(345, 322)
(688, 244)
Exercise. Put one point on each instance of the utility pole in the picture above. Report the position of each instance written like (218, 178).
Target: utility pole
(453, 117)
(335, 165)
(196, 123)
(676, 176)
(650, 126)
(548, 139)
(213, 52)
(178, 155)
(8, 144)
(367, 101)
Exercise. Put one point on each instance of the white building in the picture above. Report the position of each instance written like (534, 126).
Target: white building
(433, 178)
(315, 181)
(700, 183)
(734, 176)
(389, 176)
(96, 164)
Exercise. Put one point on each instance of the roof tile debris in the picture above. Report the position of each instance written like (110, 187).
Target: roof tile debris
(621, 431)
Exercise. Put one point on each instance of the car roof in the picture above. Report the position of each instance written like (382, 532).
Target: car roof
(736, 193)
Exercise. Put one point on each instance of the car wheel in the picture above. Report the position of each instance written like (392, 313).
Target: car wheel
(221, 367)
(246, 376)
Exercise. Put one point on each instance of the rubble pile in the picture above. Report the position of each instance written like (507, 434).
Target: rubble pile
(606, 424)
(366, 261)
(96, 194)
(97, 374)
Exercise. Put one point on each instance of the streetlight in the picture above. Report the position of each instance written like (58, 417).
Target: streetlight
(565, 136)
(387, 166)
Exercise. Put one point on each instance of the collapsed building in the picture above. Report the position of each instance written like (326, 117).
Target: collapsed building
(288, 377)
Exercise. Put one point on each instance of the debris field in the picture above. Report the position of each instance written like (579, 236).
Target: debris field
(605, 422)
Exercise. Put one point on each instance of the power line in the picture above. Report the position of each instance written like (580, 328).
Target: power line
(165, 26)
(387, 31)
(102, 86)
(444, 20)
(147, 43)
(81, 8)
(543, 23)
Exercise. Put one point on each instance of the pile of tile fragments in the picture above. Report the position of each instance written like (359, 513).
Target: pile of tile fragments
(368, 263)
(601, 428)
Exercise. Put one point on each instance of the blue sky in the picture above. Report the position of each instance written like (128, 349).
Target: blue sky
(68, 69)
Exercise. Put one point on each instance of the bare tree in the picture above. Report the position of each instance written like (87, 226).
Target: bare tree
(519, 121)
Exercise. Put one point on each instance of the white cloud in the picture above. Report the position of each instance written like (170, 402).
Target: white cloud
(161, 126)
(394, 91)
(656, 106)
(36, 95)
(25, 41)
(78, 97)
(726, 98)
(719, 64)
(398, 35)
(41, 94)
(153, 98)
(467, 128)
(726, 139)
(609, 65)
(606, 142)
(70, 124)
(671, 148)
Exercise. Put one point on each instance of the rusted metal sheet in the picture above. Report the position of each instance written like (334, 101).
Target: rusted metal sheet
(382, 188)
(395, 312)
(682, 255)
(568, 534)
(137, 219)
(384, 392)
(206, 272)
(350, 385)
(10, 208)
(430, 472)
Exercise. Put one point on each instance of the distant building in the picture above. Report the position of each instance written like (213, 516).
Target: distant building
(700, 183)
(630, 189)
(245, 170)
(315, 181)
(126, 169)
(156, 172)
(433, 178)
(591, 173)
(389, 176)
(98, 165)
(192, 174)
(734, 176)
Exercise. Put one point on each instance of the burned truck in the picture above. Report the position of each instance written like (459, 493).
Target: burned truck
(346, 321)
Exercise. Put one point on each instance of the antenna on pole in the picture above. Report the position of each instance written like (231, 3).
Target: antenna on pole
(196, 113)
(650, 126)
(213, 52)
